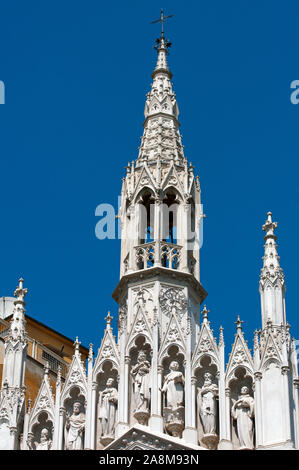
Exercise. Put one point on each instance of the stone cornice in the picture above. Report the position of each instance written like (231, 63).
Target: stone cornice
(150, 273)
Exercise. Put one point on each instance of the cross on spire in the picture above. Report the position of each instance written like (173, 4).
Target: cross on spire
(162, 20)
(205, 312)
(239, 323)
(108, 320)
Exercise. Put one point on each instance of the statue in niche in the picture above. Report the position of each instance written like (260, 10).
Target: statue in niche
(74, 428)
(243, 413)
(207, 405)
(108, 402)
(45, 441)
(140, 374)
(174, 386)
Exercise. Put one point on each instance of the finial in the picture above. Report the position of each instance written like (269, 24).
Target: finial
(46, 369)
(90, 353)
(108, 320)
(162, 20)
(269, 226)
(20, 292)
(29, 404)
(239, 323)
(77, 344)
(256, 340)
(205, 312)
(221, 336)
(58, 380)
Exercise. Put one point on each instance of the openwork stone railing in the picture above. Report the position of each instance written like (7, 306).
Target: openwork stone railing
(145, 255)
(169, 255)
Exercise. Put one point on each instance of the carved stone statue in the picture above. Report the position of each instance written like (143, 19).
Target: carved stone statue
(207, 405)
(243, 413)
(174, 386)
(74, 428)
(44, 444)
(108, 403)
(140, 373)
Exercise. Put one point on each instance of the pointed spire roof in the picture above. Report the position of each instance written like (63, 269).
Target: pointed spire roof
(162, 46)
(161, 138)
(271, 261)
(17, 326)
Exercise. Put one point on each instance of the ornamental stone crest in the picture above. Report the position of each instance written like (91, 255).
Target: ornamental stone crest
(239, 356)
(205, 344)
(107, 351)
(44, 402)
(76, 376)
(173, 301)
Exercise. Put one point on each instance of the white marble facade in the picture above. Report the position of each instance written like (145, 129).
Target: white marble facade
(164, 383)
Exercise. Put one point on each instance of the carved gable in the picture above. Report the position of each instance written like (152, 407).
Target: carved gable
(206, 346)
(240, 356)
(44, 403)
(270, 352)
(141, 438)
(173, 336)
(140, 326)
(76, 377)
(107, 351)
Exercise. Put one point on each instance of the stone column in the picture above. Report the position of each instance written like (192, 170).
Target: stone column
(224, 404)
(183, 216)
(258, 409)
(94, 390)
(193, 401)
(190, 432)
(159, 403)
(126, 390)
(227, 414)
(122, 424)
(156, 420)
(296, 411)
(90, 411)
(61, 428)
(14, 437)
(286, 404)
(157, 232)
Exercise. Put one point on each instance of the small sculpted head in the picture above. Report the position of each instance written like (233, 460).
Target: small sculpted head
(174, 365)
(141, 356)
(76, 407)
(110, 382)
(208, 378)
(44, 435)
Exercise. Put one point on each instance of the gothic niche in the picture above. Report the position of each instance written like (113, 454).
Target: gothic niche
(41, 435)
(173, 392)
(107, 406)
(207, 403)
(140, 380)
(242, 410)
(74, 426)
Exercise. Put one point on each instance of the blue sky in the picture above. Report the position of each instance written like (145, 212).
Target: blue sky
(76, 75)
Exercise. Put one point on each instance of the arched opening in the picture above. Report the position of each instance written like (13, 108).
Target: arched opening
(146, 225)
(169, 217)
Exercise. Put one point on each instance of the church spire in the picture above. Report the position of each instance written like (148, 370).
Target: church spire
(161, 138)
(272, 283)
